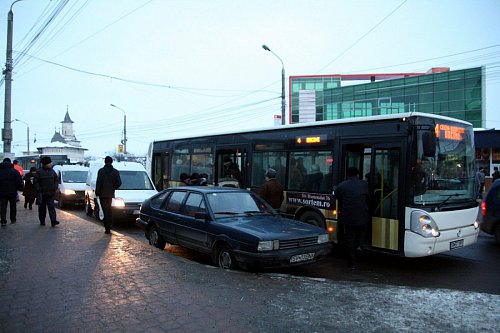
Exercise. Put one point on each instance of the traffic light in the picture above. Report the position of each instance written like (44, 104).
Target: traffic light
(120, 148)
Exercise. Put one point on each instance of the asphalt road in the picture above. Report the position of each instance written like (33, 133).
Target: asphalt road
(475, 268)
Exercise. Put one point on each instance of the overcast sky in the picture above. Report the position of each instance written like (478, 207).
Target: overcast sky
(181, 67)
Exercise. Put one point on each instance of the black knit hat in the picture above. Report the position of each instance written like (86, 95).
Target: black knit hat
(45, 160)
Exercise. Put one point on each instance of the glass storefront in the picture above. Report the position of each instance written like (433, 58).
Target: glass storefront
(456, 94)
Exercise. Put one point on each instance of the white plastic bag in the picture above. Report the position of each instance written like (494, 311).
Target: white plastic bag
(99, 209)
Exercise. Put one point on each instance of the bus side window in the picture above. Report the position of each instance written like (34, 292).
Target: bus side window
(310, 171)
(265, 160)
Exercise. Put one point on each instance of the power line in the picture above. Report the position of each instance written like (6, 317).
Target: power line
(425, 60)
(362, 37)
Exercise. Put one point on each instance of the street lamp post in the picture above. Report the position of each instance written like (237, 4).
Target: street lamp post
(27, 132)
(7, 130)
(124, 141)
(265, 47)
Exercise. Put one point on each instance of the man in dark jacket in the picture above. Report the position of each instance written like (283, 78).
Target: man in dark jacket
(108, 180)
(354, 201)
(10, 183)
(271, 190)
(46, 182)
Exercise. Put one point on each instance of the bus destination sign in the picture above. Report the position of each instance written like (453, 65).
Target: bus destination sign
(449, 132)
(311, 140)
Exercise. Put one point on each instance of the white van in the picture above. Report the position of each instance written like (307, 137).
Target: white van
(71, 190)
(136, 187)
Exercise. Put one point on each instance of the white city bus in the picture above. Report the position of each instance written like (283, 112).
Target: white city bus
(420, 170)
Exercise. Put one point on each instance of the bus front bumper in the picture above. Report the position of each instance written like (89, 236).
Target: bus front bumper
(418, 246)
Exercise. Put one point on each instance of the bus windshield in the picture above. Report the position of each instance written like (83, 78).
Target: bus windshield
(446, 175)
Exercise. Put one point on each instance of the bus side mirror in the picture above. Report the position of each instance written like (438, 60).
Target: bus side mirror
(429, 143)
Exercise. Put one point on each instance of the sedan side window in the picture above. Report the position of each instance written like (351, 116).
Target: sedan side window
(194, 204)
(173, 204)
(158, 200)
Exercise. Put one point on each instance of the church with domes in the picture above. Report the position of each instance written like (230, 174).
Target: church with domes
(64, 142)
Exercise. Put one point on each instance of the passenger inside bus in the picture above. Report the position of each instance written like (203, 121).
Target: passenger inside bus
(296, 175)
(314, 180)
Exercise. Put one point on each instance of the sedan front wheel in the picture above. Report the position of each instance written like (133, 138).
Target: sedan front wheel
(225, 258)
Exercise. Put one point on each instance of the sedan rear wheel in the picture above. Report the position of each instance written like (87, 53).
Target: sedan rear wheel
(225, 258)
(156, 239)
(497, 233)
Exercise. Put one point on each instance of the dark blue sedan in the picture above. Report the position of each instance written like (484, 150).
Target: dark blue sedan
(490, 211)
(235, 226)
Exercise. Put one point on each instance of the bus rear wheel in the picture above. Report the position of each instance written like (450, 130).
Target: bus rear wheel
(312, 218)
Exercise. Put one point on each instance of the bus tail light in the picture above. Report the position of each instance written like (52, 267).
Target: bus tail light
(422, 224)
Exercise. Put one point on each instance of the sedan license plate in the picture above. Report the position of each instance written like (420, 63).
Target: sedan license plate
(136, 212)
(456, 244)
(302, 257)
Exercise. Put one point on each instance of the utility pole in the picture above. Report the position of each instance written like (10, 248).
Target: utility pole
(283, 122)
(7, 129)
(124, 141)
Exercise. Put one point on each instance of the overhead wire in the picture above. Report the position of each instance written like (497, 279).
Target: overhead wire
(61, 24)
(362, 37)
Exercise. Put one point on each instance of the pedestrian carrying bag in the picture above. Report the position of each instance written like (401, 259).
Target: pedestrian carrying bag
(101, 213)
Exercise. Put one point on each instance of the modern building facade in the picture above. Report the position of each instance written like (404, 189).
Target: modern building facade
(457, 94)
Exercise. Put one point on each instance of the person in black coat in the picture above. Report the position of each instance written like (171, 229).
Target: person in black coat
(29, 191)
(353, 195)
(46, 182)
(108, 180)
(10, 183)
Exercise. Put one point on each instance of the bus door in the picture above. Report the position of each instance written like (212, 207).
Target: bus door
(159, 170)
(378, 164)
(231, 166)
(384, 186)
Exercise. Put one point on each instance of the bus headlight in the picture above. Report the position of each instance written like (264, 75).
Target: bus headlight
(422, 224)
(118, 202)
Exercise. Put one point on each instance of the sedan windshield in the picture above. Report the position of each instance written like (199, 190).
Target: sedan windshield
(225, 204)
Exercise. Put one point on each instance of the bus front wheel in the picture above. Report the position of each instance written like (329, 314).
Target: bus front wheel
(312, 218)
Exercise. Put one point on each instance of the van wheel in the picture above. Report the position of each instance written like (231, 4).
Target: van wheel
(312, 218)
(88, 209)
(60, 203)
